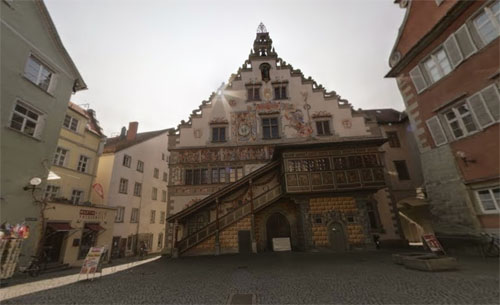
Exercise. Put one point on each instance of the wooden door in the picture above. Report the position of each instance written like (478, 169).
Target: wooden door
(337, 237)
(244, 242)
(277, 226)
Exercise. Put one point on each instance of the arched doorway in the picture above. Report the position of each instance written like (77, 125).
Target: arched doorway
(277, 226)
(337, 237)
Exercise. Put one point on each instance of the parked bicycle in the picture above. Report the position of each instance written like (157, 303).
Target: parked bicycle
(490, 245)
(34, 267)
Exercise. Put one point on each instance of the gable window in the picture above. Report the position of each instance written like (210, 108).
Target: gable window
(156, 173)
(26, 120)
(204, 179)
(253, 92)
(235, 173)
(127, 160)
(38, 73)
(134, 216)
(153, 216)
(52, 191)
(270, 128)
(83, 164)
(164, 196)
(137, 189)
(70, 123)
(487, 23)
(437, 65)
(392, 136)
(218, 134)
(460, 121)
(402, 170)
(280, 91)
(120, 213)
(218, 175)
(76, 196)
(323, 128)
(165, 177)
(60, 156)
(140, 166)
(489, 200)
(123, 188)
(154, 193)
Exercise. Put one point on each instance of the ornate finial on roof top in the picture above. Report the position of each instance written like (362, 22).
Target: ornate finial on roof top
(261, 28)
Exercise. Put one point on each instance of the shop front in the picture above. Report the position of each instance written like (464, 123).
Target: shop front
(71, 230)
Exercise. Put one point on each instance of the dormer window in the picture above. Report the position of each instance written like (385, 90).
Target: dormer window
(280, 91)
(253, 92)
(70, 123)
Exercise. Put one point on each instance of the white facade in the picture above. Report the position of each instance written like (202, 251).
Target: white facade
(147, 227)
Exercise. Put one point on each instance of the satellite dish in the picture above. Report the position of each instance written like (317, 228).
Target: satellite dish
(35, 181)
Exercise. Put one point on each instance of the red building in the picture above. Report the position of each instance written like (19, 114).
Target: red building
(446, 63)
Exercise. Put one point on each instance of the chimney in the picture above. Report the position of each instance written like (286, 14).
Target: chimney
(123, 133)
(132, 130)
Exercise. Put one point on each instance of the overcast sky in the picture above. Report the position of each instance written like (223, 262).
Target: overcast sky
(155, 61)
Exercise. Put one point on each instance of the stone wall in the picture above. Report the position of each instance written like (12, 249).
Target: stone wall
(228, 238)
(344, 210)
(286, 208)
(205, 247)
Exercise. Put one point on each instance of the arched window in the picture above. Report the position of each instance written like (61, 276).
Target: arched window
(264, 69)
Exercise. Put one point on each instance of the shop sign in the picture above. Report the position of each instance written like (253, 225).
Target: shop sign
(92, 214)
(433, 243)
(92, 262)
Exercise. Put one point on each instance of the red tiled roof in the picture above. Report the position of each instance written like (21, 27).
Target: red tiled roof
(93, 125)
(116, 144)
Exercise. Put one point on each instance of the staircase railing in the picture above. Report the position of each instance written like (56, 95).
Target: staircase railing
(259, 202)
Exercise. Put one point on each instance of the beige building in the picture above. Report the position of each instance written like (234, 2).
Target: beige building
(73, 224)
(133, 172)
(38, 78)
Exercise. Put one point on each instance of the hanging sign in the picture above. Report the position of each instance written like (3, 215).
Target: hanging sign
(92, 261)
(98, 189)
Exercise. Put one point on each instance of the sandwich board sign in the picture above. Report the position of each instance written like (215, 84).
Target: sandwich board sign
(433, 243)
(92, 262)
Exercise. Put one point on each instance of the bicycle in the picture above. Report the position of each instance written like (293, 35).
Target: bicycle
(33, 269)
(490, 245)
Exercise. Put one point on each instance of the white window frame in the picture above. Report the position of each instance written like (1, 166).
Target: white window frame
(434, 59)
(322, 121)
(162, 217)
(85, 164)
(123, 186)
(495, 202)
(80, 197)
(70, 124)
(491, 18)
(52, 191)
(140, 166)
(38, 78)
(458, 118)
(156, 173)
(120, 214)
(57, 157)
(163, 195)
(137, 189)
(127, 160)
(135, 212)
(25, 117)
(154, 193)
(165, 177)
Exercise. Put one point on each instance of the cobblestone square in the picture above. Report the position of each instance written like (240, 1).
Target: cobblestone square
(283, 278)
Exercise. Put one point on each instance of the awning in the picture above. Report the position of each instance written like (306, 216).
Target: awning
(59, 227)
(94, 227)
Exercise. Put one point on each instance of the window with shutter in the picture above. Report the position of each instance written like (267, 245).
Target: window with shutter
(436, 131)
(491, 98)
(479, 109)
(418, 79)
(465, 42)
(453, 51)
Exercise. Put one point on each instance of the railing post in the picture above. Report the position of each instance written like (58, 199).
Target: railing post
(217, 244)
(252, 218)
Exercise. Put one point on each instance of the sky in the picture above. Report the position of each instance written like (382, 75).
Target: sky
(154, 61)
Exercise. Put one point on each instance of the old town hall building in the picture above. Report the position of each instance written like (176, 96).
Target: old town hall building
(272, 154)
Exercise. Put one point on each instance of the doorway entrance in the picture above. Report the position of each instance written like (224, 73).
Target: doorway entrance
(337, 237)
(115, 247)
(55, 235)
(244, 242)
(277, 226)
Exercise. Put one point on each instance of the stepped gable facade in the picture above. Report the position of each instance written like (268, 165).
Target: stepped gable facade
(266, 150)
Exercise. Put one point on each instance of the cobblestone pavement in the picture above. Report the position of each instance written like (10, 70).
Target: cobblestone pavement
(283, 278)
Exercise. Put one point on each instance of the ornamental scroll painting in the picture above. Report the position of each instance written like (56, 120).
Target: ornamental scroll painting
(295, 120)
(244, 126)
